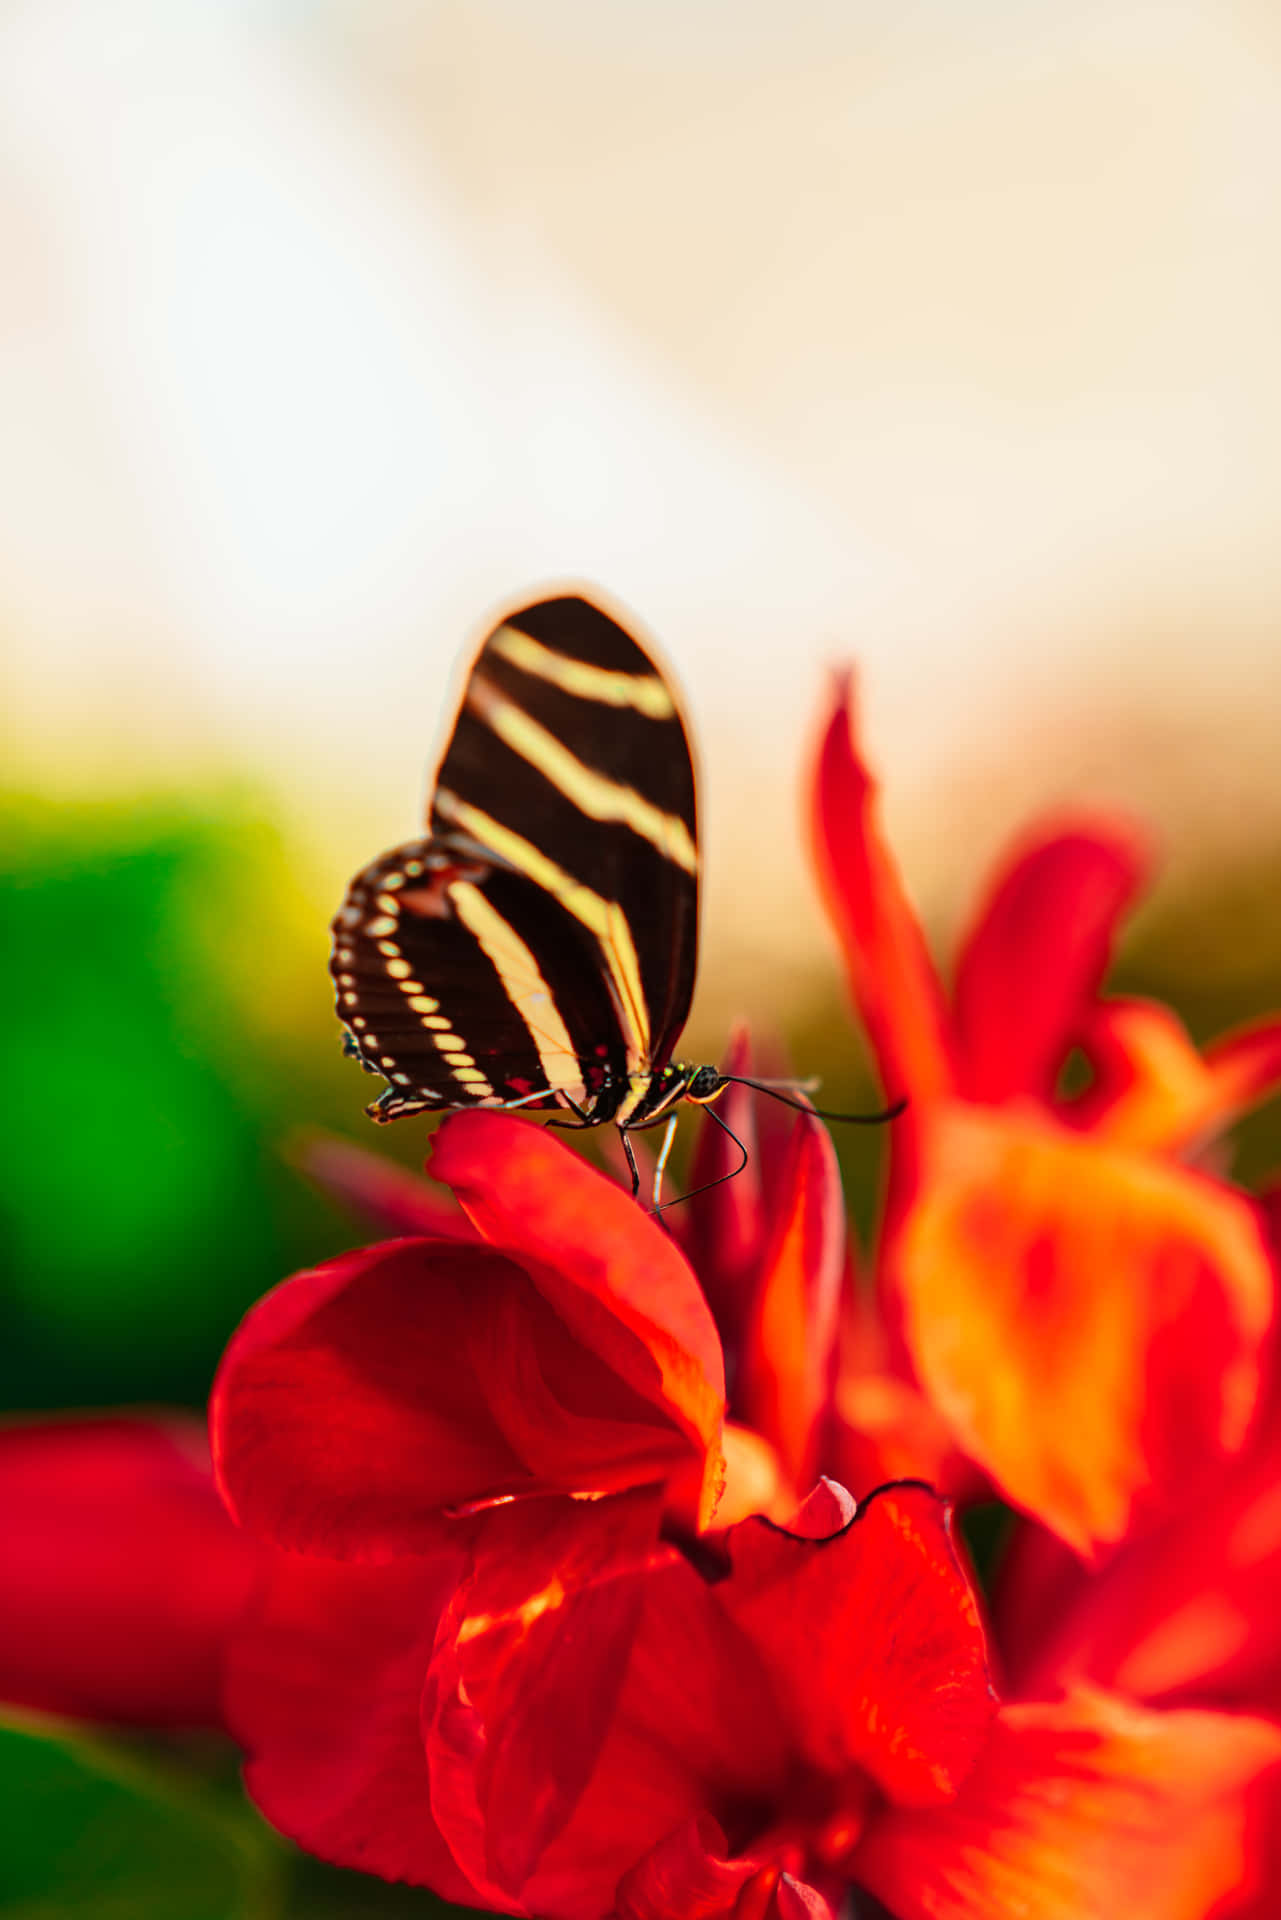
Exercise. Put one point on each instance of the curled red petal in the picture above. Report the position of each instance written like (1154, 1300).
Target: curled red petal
(609, 1271)
(827, 1509)
(361, 1404)
(123, 1576)
(790, 1347)
(1036, 956)
(891, 974)
(1089, 1320)
(1083, 1806)
(323, 1690)
(872, 1637)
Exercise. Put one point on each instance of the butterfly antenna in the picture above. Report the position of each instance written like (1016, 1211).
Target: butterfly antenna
(721, 1178)
(803, 1106)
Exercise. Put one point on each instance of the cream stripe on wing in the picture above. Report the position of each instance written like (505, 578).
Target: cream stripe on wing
(602, 798)
(524, 985)
(645, 692)
(604, 918)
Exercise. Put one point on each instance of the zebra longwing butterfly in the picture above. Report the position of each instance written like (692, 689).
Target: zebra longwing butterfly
(537, 948)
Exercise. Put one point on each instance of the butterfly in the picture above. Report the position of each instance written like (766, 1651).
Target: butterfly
(537, 948)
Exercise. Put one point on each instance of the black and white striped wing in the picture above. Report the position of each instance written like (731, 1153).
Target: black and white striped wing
(542, 940)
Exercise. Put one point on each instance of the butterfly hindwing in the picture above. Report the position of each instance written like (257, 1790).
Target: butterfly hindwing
(541, 941)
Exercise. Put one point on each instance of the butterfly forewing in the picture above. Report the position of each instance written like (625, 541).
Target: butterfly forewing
(542, 940)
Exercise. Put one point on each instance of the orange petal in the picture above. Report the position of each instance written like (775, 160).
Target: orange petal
(1088, 1806)
(754, 1480)
(1087, 1319)
(891, 973)
(1155, 1091)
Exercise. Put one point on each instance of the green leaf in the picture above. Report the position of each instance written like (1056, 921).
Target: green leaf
(92, 1833)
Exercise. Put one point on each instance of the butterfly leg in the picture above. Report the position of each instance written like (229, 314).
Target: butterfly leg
(631, 1161)
(660, 1165)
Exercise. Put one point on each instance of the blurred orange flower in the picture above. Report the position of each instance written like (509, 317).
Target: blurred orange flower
(1061, 1297)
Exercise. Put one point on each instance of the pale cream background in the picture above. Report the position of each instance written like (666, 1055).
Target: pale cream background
(941, 337)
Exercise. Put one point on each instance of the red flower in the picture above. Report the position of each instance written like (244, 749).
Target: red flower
(1084, 1310)
(542, 1706)
(496, 1428)
(123, 1576)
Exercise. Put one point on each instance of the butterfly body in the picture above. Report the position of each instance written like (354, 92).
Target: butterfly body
(537, 947)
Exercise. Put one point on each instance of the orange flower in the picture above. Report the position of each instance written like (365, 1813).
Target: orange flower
(1082, 1309)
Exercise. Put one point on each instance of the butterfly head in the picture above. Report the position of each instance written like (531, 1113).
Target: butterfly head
(704, 1084)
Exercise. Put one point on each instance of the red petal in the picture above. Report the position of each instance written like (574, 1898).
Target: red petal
(695, 1730)
(687, 1873)
(1088, 1806)
(359, 1403)
(588, 1247)
(788, 1357)
(388, 1195)
(1037, 955)
(725, 1228)
(892, 976)
(529, 1662)
(323, 1692)
(872, 1638)
(1089, 1320)
(123, 1575)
